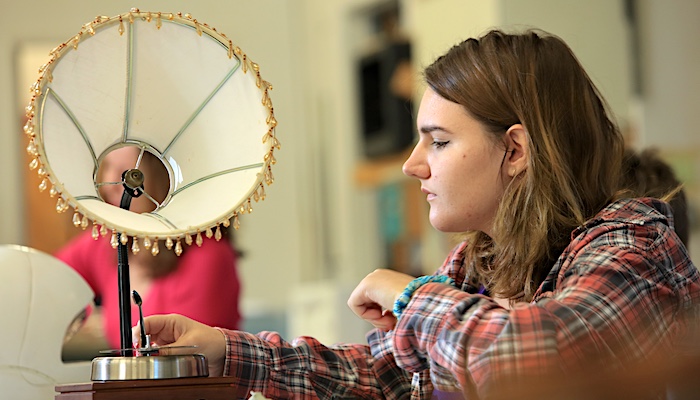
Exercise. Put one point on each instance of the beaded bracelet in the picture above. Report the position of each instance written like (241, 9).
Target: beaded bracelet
(402, 301)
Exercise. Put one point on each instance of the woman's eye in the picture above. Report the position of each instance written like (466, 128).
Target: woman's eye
(440, 144)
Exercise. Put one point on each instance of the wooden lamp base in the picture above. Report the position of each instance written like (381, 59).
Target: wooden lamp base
(207, 388)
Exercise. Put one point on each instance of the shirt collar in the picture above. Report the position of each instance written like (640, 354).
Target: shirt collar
(635, 211)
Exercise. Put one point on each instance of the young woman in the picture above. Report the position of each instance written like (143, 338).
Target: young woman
(558, 273)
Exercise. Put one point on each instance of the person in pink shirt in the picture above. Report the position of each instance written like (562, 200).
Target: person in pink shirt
(202, 283)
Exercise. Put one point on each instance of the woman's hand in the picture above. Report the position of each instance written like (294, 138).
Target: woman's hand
(373, 299)
(177, 330)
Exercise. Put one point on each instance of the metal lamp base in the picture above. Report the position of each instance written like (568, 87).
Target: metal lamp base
(149, 367)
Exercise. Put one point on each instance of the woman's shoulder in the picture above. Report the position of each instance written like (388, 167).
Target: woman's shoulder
(211, 245)
(629, 211)
(82, 243)
(641, 209)
(631, 235)
(211, 252)
(640, 224)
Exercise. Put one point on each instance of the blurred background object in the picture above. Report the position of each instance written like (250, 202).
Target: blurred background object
(646, 174)
(42, 307)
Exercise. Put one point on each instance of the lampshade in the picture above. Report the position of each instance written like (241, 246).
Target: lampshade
(174, 90)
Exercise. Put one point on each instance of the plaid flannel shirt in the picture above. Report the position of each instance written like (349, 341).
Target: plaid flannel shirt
(614, 295)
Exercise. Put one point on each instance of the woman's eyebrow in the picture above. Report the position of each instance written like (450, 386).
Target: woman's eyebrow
(426, 129)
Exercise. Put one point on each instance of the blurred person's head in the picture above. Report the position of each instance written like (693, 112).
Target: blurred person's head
(156, 180)
(647, 174)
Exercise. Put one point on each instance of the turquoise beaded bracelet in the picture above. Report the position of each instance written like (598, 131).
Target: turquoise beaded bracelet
(402, 301)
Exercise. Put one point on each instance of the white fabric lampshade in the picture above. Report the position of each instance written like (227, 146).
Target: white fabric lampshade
(170, 86)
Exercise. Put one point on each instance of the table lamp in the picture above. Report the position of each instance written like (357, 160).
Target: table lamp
(175, 90)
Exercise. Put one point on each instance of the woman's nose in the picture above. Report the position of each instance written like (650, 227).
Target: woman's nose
(415, 165)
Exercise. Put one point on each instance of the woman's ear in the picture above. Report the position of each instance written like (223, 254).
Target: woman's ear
(518, 150)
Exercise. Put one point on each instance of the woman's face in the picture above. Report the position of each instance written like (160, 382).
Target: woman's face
(458, 165)
(125, 158)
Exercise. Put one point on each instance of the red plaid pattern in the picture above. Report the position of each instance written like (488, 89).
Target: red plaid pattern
(615, 296)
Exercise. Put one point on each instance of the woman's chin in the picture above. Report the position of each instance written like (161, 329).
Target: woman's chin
(441, 225)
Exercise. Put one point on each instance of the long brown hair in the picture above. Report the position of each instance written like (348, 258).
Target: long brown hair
(533, 78)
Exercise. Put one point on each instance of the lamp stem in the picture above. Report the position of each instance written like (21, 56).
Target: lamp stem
(124, 287)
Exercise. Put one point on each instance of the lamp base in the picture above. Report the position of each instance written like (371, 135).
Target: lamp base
(149, 367)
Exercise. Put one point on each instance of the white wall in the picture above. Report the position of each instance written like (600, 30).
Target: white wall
(596, 31)
(671, 72)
